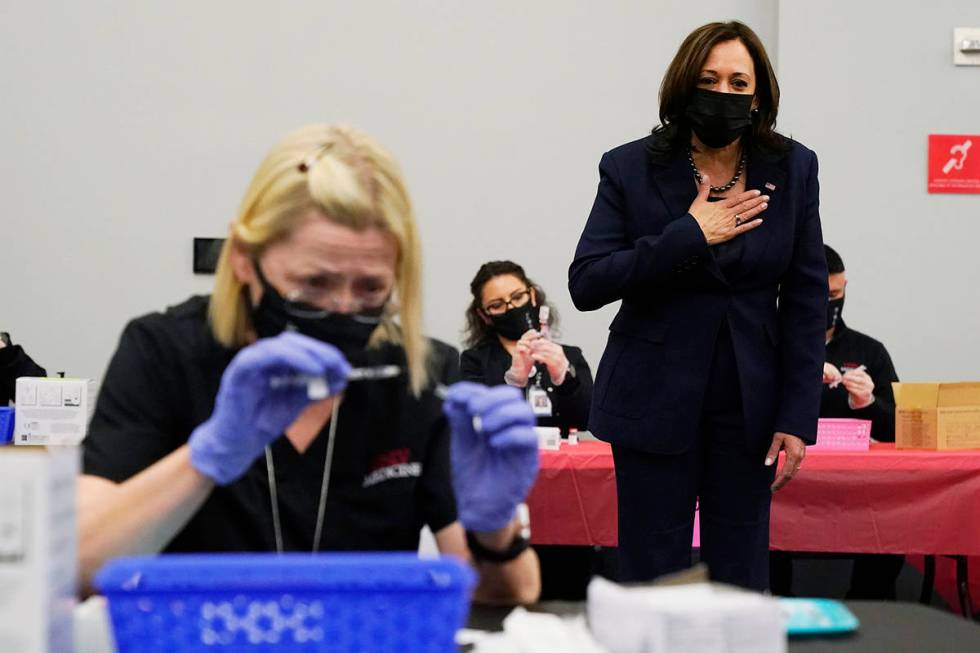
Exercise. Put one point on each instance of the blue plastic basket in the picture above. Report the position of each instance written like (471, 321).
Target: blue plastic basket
(344, 602)
(6, 424)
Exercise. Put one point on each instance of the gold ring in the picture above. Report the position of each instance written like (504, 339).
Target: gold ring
(738, 220)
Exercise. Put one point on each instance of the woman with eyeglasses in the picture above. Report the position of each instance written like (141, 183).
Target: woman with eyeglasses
(299, 407)
(507, 344)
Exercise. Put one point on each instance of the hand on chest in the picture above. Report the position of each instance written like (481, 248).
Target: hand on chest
(761, 250)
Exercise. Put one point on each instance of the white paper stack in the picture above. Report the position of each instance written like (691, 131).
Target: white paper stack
(695, 618)
(38, 549)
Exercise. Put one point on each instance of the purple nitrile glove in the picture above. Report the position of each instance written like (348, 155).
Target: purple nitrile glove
(251, 410)
(494, 452)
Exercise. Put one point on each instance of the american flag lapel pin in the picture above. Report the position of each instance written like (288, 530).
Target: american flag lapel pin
(770, 186)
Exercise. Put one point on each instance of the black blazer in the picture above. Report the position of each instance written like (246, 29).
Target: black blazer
(487, 362)
(642, 247)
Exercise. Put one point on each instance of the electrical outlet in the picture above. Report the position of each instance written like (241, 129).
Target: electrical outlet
(966, 46)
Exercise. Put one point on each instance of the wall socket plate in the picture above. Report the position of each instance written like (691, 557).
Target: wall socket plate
(961, 34)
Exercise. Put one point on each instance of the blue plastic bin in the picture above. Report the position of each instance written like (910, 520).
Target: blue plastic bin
(6, 424)
(343, 602)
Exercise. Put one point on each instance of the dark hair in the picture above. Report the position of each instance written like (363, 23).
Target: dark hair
(477, 330)
(673, 133)
(835, 264)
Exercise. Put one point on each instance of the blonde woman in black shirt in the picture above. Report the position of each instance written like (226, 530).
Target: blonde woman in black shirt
(320, 277)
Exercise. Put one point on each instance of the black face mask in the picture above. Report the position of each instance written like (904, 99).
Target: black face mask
(834, 308)
(719, 118)
(275, 314)
(516, 322)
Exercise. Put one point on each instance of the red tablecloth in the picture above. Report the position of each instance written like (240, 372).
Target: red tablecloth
(879, 501)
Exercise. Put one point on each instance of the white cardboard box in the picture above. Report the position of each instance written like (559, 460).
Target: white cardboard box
(53, 410)
(38, 548)
(549, 437)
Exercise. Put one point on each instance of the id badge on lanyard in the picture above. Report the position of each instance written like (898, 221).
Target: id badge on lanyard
(539, 399)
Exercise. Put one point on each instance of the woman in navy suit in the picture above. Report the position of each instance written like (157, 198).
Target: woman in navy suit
(708, 231)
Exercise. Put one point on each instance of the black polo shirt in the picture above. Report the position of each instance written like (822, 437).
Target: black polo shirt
(390, 473)
(849, 349)
(488, 362)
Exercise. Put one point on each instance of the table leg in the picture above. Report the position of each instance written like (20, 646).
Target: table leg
(928, 579)
(963, 586)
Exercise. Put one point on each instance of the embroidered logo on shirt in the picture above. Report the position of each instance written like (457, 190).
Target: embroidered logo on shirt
(390, 465)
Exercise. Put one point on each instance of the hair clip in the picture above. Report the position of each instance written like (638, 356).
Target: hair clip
(307, 164)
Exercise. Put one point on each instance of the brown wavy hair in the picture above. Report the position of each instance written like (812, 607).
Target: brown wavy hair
(674, 133)
(477, 330)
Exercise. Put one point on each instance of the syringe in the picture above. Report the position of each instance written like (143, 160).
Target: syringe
(317, 387)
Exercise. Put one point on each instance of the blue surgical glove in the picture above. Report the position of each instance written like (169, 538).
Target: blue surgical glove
(251, 410)
(494, 452)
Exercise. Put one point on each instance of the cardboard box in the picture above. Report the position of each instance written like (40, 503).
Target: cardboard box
(53, 410)
(38, 548)
(937, 415)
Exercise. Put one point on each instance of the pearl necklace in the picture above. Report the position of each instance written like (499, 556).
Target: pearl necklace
(718, 189)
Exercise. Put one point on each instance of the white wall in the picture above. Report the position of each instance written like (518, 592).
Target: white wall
(126, 129)
(864, 83)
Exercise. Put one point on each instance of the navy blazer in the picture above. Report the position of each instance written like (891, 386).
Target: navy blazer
(641, 246)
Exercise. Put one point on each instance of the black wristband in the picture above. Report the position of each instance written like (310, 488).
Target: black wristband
(518, 546)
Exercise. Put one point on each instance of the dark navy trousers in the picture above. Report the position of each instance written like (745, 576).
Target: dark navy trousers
(721, 472)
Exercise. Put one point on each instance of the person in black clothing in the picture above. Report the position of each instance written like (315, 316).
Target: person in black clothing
(507, 344)
(236, 422)
(14, 363)
(858, 377)
(858, 374)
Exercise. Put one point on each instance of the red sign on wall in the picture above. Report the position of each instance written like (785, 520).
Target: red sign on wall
(954, 163)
